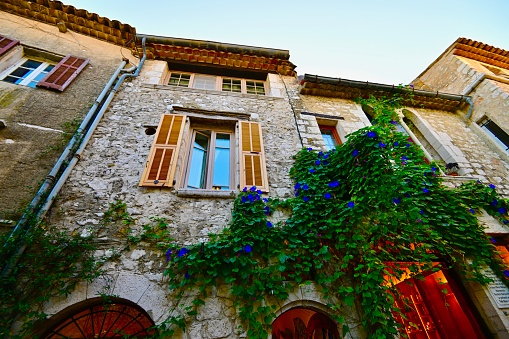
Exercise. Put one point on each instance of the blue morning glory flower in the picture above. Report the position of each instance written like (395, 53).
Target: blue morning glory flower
(327, 196)
(245, 189)
(492, 186)
(305, 187)
(472, 211)
(168, 255)
(351, 204)
(297, 186)
(186, 275)
(310, 149)
(265, 200)
(494, 202)
(259, 191)
(244, 199)
(267, 210)
(394, 122)
(311, 170)
(247, 248)
(305, 198)
(371, 134)
(253, 188)
(269, 224)
(493, 240)
(381, 145)
(425, 190)
(355, 153)
(334, 183)
(183, 251)
(396, 144)
(320, 153)
(421, 211)
(506, 273)
(433, 169)
(407, 145)
(317, 163)
(326, 155)
(505, 222)
(396, 200)
(502, 210)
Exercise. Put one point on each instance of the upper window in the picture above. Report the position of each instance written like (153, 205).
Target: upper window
(496, 133)
(27, 72)
(217, 83)
(23, 69)
(210, 161)
(330, 137)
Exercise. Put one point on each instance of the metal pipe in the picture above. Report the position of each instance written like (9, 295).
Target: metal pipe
(50, 178)
(469, 89)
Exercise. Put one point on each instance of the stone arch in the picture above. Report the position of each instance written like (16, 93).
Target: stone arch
(305, 319)
(100, 317)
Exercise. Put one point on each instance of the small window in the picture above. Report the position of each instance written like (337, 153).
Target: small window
(204, 82)
(330, 136)
(255, 87)
(232, 85)
(210, 160)
(27, 72)
(179, 79)
(496, 133)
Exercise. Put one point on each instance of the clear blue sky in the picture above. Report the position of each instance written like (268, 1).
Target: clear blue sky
(388, 42)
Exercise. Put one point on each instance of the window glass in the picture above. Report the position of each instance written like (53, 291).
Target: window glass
(28, 73)
(204, 82)
(179, 79)
(255, 87)
(330, 137)
(221, 177)
(232, 85)
(198, 165)
(496, 133)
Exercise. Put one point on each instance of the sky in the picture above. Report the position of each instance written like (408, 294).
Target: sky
(382, 41)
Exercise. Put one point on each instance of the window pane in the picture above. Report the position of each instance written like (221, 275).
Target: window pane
(204, 82)
(221, 177)
(198, 166)
(328, 138)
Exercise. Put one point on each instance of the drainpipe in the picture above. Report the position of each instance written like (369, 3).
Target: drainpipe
(469, 89)
(74, 141)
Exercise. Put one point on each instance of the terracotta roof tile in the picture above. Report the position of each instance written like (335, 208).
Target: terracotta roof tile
(78, 20)
(479, 51)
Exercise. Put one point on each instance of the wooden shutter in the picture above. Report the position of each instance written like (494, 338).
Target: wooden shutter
(162, 160)
(63, 73)
(252, 157)
(6, 44)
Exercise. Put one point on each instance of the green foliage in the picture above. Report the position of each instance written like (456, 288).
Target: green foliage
(358, 209)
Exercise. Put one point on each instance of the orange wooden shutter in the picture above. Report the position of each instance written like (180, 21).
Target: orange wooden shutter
(63, 73)
(6, 44)
(252, 157)
(162, 160)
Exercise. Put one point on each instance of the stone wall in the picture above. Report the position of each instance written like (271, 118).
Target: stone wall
(34, 119)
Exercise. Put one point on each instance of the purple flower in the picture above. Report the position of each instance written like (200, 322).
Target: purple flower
(494, 202)
(168, 254)
(506, 273)
(259, 191)
(419, 220)
(327, 196)
(492, 186)
(394, 122)
(305, 187)
(355, 153)
(305, 198)
(250, 197)
(265, 200)
(297, 186)
(493, 240)
(186, 275)
(253, 189)
(244, 199)
(381, 145)
(425, 190)
(421, 211)
(396, 200)
(351, 204)
(310, 149)
(334, 183)
(269, 224)
(311, 170)
(247, 248)
(267, 210)
(317, 163)
(371, 134)
(396, 144)
(433, 169)
(502, 210)
(472, 211)
(407, 145)
(411, 86)
(183, 251)
(245, 189)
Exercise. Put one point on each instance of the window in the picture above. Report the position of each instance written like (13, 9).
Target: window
(210, 160)
(217, 83)
(209, 164)
(28, 72)
(36, 72)
(330, 137)
(496, 133)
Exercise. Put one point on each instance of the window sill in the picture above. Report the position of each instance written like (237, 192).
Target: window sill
(212, 92)
(190, 193)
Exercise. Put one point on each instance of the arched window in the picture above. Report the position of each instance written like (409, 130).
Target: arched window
(100, 318)
(304, 323)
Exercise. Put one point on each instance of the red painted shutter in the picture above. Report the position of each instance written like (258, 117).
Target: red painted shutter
(252, 157)
(162, 160)
(6, 44)
(63, 73)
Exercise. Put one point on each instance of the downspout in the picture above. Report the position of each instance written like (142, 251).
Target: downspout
(51, 197)
(90, 130)
(469, 90)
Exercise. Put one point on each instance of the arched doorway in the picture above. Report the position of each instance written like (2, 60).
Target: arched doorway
(100, 318)
(304, 323)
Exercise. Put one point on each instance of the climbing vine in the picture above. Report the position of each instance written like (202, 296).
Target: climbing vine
(358, 209)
